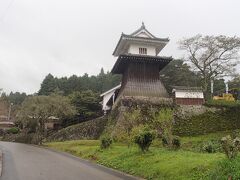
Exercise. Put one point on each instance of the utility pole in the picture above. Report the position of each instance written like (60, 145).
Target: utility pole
(9, 111)
(212, 87)
(226, 84)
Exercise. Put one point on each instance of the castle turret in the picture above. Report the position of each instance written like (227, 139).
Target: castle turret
(139, 63)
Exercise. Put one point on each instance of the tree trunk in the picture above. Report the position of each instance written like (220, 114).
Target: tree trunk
(41, 131)
(205, 88)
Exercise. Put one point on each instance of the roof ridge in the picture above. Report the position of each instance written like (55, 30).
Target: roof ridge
(143, 27)
(155, 38)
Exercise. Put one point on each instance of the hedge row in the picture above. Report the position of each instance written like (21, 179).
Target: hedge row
(208, 122)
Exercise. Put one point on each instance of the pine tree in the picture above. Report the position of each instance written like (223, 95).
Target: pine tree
(48, 86)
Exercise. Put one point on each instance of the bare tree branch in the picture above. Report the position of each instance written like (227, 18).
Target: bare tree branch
(213, 56)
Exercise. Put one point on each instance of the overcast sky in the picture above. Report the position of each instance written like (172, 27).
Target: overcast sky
(66, 37)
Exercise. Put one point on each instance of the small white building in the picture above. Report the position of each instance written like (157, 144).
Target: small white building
(188, 95)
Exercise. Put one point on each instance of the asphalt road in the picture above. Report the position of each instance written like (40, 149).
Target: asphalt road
(26, 162)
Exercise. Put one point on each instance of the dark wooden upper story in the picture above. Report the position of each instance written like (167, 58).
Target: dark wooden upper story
(124, 60)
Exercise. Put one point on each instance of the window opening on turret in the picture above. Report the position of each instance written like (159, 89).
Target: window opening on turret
(142, 50)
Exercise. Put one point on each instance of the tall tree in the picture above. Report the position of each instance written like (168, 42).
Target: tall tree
(41, 108)
(16, 98)
(235, 82)
(86, 103)
(48, 86)
(211, 56)
(218, 87)
(178, 73)
(99, 83)
(4, 104)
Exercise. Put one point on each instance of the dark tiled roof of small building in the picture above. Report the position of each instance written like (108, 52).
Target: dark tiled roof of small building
(187, 88)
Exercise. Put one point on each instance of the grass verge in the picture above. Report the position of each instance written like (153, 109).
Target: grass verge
(158, 163)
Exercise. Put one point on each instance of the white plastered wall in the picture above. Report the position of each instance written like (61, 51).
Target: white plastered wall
(185, 94)
(134, 49)
(106, 98)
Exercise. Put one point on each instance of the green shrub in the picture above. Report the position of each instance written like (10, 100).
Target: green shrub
(119, 135)
(143, 137)
(222, 103)
(211, 147)
(163, 121)
(13, 130)
(230, 146)
(106, 141)
(164, 141)
(175, 144)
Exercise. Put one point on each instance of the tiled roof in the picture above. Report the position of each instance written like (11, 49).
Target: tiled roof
(187, 88)
(123, 60)
(134, 37)
(113, 89)
(145, 38)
